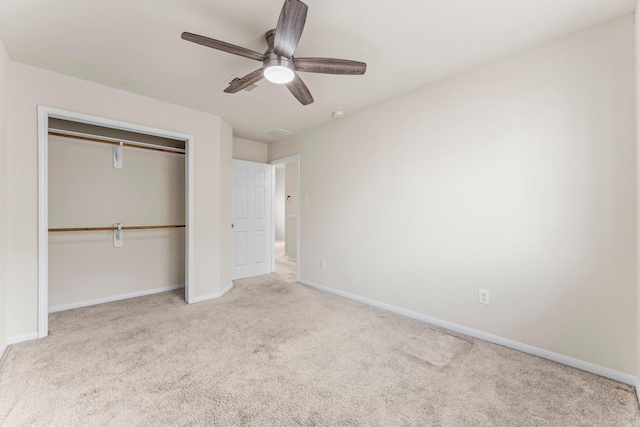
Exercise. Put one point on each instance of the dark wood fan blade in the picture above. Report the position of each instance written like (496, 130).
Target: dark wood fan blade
(300, 91)
(289, 28)
(223, 46)
(329, 66)
(247, 80)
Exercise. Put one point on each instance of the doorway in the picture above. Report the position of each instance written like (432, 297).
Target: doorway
(44, 116)
(286, 223)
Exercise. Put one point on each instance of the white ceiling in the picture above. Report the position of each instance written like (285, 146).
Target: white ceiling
(135, 45)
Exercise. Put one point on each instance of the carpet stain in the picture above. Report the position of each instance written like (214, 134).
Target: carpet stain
(435, 347)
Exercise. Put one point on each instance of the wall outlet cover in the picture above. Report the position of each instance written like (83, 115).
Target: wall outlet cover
(483, 296)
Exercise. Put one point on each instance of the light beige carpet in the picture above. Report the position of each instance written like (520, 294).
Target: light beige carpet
(275, 353)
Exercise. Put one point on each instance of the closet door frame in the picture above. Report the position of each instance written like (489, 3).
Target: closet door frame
(44, 114)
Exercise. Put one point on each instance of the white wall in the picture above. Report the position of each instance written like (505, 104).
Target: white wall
(31, 87)
(518, 177)
(284, 148)
(85, 190)
(279, 203)
(4, 207)
(252, 151)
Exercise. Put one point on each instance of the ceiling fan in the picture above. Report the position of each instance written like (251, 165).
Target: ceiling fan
(278, 63)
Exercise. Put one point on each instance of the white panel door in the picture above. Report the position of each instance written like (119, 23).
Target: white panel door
(251, 219)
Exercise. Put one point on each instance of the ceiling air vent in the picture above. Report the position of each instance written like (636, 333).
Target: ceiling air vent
(279, 133)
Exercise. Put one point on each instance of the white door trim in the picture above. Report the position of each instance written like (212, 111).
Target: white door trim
(44, 113)
(290, 159)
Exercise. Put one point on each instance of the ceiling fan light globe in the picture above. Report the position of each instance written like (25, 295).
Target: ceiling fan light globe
(278, 69)
(278, 74)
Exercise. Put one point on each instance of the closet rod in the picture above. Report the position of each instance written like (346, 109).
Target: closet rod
(114, 141)
(138, 227)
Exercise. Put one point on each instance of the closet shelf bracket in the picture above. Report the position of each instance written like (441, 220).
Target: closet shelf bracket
(117, 156)
(117, 235)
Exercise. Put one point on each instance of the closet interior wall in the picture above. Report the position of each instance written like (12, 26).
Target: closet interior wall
(87, 191)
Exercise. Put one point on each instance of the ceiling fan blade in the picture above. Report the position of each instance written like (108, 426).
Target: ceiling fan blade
(329, 66)
(223, 46)
(247, 80)
(300, 90)
(289, 28)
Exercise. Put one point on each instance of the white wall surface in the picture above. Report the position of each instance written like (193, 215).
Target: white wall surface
(279, 203)
(4, 206)
(85, 267)
(252, 151)
(518, 177)
(31, 87)
(284, 148)
(85, 190)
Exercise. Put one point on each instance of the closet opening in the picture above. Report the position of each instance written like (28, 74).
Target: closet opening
(115, 211)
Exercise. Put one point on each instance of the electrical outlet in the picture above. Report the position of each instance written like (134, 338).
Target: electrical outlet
(323, 264)
(483, 296)
(306, 199)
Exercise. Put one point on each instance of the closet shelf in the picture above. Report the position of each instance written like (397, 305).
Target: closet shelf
(114, 141)
(134, 227)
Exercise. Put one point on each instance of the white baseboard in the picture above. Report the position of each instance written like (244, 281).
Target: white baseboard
(16, 339)
(3, 348)
(292, 259)
(34, 335)
(212, 296)
(113, 298)
(638, 389)
(227, 289)
(559, 358)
